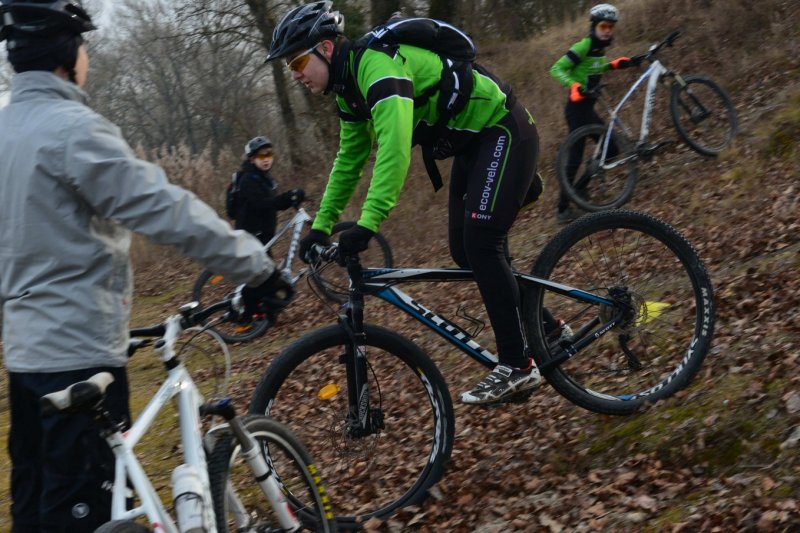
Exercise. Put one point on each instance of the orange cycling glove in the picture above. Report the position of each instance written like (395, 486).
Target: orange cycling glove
(576, 92)
(620, 62)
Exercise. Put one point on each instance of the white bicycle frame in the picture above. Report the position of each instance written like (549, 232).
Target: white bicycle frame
(652, 75)
(296, 226)
(178, 385)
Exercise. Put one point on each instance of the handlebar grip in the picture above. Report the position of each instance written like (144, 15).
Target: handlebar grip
(326, 253)
(672, 37)
(152, 331)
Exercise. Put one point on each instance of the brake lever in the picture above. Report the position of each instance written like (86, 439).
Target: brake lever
(326, 253)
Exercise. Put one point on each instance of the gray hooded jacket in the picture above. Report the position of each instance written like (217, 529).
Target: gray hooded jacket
(70, 191)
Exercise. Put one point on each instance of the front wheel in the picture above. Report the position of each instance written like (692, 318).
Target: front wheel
(595, 169)
(662, 312)
(239, 502)
(703, 114)
(370, 473)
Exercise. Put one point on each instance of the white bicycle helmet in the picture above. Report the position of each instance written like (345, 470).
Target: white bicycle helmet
(604, 12)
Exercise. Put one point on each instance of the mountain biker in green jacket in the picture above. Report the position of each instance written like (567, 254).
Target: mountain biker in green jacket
(493, 140)
(580, 69)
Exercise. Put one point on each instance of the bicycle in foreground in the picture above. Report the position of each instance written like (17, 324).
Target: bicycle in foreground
(247, 474)
(597, 164)
(377, 413)
(282, 248)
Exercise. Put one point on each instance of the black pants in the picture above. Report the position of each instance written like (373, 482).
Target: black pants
(488, 186)
(577, 114)
(62, 470)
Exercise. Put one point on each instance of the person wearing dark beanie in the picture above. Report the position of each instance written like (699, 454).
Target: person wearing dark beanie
(45, 54)
(71, 192)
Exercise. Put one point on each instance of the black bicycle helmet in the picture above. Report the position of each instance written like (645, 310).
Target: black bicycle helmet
(603, 12)
(32, 19)
(255, 144)
(303, 27)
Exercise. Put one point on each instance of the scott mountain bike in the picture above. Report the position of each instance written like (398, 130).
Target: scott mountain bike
(246, 474)
(376, 412)
(597, 164)
(283, 249)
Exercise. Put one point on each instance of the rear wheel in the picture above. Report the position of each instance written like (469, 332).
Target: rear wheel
(595, 176)
(210, 288)
(663, 307)
(703, 114)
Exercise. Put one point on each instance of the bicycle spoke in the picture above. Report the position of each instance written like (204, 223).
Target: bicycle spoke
(703, 115)
(410, 413)
(657, 297)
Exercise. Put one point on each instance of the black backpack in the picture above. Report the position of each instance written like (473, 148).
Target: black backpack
(435, 35)
(458, 56)
(233, 199)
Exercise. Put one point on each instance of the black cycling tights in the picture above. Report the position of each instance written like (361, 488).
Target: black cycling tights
(488, 185)
(484, 251)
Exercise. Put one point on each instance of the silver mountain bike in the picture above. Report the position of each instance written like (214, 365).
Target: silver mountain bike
(597, 164)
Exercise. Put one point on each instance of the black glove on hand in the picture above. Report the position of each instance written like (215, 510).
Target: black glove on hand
(289, 198)
(270, 297)
(353, 241)
(296, 196)
(314, 236)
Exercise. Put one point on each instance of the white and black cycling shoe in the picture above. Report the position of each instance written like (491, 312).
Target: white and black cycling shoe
(503, 384)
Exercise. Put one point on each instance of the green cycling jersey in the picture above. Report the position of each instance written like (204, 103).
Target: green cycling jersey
(584, 63)
(389, 84)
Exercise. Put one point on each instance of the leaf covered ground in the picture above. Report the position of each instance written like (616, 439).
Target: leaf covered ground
(722, 455)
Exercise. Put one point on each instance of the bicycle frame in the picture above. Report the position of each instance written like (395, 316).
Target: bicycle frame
(178, 385)
(652, 75)
(189, 401)
(379, 282)
(295, 224)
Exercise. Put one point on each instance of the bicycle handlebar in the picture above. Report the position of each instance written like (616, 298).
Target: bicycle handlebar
(190, 316)
(654, 49)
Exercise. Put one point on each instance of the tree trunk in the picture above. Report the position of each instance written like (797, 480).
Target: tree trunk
(443, 10)
(265, 25)
(383, 9)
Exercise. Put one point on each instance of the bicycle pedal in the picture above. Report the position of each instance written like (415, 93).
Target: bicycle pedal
(519, 397)
(647, 151)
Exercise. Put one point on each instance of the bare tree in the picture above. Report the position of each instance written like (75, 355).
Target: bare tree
(381, 10)
(170, 80)
(442, 9)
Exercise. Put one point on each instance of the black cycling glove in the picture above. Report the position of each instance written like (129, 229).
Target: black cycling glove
(353, 241)
(314, 236)
(271, 296)
(289, 199)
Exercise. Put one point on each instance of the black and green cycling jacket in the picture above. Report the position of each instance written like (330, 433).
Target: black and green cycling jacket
(389, 83)
(584, 63)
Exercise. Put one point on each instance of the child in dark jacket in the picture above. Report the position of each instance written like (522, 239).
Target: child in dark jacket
(259, 201)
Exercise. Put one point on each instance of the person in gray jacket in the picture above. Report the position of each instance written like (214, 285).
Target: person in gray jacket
(71, 190)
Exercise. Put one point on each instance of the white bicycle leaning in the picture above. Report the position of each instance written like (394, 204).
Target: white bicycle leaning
(246, 474)
(597, 163)
(283, 249)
